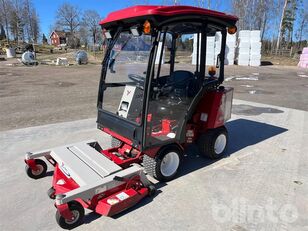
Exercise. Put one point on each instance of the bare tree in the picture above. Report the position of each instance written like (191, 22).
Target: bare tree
(91, 21)
(4, 11)
(32, 21)
(68, 17)
(16, 22)
(302, 27)
(280, 25)
(200, 3)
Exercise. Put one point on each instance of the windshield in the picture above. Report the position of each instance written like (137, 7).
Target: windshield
(125, 78)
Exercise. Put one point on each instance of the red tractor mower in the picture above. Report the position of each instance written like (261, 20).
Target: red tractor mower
(151, 104)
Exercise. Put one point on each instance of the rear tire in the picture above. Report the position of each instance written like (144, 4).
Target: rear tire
(165, 165)
(213, 143)
(77, 210)
(40, 172)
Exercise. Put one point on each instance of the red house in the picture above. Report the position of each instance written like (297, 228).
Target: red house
(58, 37)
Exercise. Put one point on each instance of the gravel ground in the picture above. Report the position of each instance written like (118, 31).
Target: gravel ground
(31, 96)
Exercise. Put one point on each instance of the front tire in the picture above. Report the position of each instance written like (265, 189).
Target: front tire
(213, 143)
(78, 212)
(165, 165)
(39, 172)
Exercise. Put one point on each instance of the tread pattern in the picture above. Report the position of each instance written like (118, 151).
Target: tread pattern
(207, 140)
(149, 165)
(115, 142)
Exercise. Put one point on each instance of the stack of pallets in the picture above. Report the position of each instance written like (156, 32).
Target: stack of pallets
(303, 61)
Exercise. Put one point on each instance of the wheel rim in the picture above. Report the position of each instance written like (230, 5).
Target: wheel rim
(220, 144)
(170, 164)
(39, 170)
(75, 217)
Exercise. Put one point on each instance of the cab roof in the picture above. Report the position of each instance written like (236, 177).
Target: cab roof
(163, 14)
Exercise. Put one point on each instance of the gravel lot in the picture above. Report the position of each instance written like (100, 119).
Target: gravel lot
(31, 96)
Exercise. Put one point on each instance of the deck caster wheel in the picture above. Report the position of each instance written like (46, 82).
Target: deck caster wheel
(152, 190)
(165, 165)
(213, 143)
(51, 193)
(39, 172)
(78, 213)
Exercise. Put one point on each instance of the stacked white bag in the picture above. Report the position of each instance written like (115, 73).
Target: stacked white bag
(243, 49)
(217, 45)
(210, 54)
(230, 49)
(255, 48)
(210, 50)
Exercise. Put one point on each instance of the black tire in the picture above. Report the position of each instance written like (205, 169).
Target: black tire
(77, 209)
(153, 166)
(115, 142)
(51, 193)
(41, 172)
(152, 190)
(206, 143)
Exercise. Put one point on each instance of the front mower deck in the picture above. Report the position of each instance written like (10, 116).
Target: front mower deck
(86, 176)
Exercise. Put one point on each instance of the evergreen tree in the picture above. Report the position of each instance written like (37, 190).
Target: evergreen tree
(44, 40)
(2, 33)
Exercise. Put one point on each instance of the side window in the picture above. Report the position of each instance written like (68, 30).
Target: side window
(183, 53)
(164, 49)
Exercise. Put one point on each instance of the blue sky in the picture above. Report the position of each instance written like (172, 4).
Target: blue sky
(47, 8)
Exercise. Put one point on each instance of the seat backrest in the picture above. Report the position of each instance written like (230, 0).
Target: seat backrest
(181, 79)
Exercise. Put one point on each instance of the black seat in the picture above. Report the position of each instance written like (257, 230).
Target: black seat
(183, 83)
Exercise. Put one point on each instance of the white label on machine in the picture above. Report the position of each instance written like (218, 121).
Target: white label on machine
(122, 196)
(126, 100)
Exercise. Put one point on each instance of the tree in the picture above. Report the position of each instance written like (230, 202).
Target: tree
(2, 33)
(91, 21)
(4, 11)
(303, 21)
(68, 17)
(44, 39)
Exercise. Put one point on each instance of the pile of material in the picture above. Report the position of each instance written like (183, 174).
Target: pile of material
(213, 47)
(10, 53)
(303, 61)
(255, 48)
(62, 61)
(230, 49)
(28, 58)
(249, 48)
(210, 50)
(243, 49)
(81, 57)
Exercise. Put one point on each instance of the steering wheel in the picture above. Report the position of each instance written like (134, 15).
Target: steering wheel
(139, 80)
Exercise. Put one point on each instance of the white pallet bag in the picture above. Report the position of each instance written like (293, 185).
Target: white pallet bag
(244, 34)
(159, 53)
(255, 36)
(255, 63)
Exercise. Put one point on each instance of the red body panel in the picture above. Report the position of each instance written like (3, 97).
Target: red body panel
(148, 10)
(116, 135)
(132, 188)
(122, 155)
(209, 105)
(69, 184)
(106, 208)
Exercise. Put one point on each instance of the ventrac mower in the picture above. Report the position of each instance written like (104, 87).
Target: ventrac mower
(151, 103)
